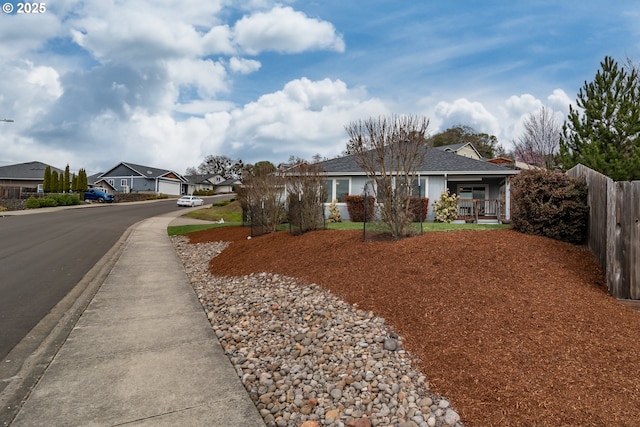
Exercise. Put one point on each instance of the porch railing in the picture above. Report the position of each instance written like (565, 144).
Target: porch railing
(475, 209)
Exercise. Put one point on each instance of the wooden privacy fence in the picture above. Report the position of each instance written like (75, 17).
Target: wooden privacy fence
(614, 230)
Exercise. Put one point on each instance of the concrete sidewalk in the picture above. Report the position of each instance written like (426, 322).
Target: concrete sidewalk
(142, 353)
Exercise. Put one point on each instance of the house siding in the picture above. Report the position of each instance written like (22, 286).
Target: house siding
(436, 186)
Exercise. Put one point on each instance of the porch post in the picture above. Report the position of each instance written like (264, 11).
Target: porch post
(507, 199)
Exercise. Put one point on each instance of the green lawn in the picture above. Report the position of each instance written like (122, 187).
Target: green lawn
(212, 214)
(231, 213)
(185, 229)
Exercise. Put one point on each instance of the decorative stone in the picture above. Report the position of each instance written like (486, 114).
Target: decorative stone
(308, 358)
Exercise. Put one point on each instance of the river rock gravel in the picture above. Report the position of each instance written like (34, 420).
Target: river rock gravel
(307, 358)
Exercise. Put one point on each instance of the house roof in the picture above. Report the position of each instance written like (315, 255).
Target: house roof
(457, 147)
(92, 179)
(230, 181)
(436, 162)
(144, 171)
(200, 178)
(26, 171)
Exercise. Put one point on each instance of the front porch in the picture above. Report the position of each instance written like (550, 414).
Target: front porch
(481, 210)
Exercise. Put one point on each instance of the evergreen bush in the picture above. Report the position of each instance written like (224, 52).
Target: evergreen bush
(33, 203)
(550, 204)
(334, 212)
(446, 209)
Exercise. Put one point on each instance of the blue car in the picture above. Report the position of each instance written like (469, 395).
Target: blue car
(98, 195)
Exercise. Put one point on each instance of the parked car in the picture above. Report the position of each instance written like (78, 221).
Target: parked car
(98, 195)
(190, 201)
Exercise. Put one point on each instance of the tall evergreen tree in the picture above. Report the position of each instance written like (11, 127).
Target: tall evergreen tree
(74, 182)
(54, 182)
(46, 183)
(83, 183)
(604, 132)
(66, 181)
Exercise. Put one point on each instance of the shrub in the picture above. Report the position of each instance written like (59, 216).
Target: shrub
(33, 203)
(356, 209)
(446, 209)
(550, 204)
(66, 199)
(48, 202)
(334, 212)
(419, 207)
(156, 196)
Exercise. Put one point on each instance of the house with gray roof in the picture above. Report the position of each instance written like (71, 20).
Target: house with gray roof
(483, 187)
(203, 182)
(465, 149)
(27, 176)
(132, 178)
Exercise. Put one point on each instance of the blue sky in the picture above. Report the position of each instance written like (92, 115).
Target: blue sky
(91, 83)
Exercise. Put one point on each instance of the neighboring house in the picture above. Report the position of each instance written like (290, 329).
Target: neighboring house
(26, 177)
(94, 181)
(465, 149)
(513, 164)
(226, 186)
(132, 178)
(483, 187)
(203, 182)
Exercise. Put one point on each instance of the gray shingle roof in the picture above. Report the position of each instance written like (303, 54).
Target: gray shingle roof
(435, 161)
(451, 147)
(145, 171)
(25, 171)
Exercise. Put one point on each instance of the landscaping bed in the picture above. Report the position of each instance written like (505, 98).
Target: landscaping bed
(516, 330)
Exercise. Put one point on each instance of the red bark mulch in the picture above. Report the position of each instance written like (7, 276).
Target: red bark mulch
(516, 330)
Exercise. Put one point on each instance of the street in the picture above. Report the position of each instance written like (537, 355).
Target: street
(44, 255)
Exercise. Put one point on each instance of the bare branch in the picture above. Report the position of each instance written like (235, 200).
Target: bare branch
(390, 150)
(540, 141)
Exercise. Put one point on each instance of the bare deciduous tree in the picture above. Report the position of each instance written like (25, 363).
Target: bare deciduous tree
(306, 194)
(390, 150)
(261, 198)
(540, 141)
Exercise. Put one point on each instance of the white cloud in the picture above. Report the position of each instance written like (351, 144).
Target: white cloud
(518, 108)
(20, 34)
(47, 79)
(217, 41)
(304, 118)
(285, 30)
(208, 77)
(465, 112)
(244, 66)
(143, 31)
(560, 101)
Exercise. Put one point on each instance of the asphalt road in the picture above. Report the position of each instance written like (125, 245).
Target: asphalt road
(44, 255)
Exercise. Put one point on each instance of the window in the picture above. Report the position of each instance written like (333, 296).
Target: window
(337, 189)
(472, 192)
(419, 189)
(328, 186)
(124, 182)
(111, 182)
(342, 189)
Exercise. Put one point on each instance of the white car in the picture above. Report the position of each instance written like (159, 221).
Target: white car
(190, 201)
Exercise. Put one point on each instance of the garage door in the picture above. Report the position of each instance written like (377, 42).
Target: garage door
(169, 187)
